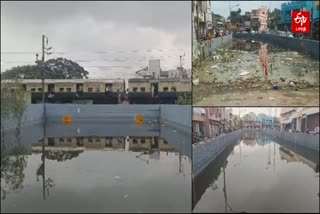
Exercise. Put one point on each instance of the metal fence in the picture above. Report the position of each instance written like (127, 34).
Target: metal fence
(309, 47)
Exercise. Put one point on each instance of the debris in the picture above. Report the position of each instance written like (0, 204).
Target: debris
(243, 73)
(214, 66)
(195, 82)
(275, 87)
(289, 59)
(292, 83)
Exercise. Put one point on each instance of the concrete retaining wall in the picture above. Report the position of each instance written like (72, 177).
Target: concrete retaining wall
(101, 113)
(204, 154)
(302, 139)
(208, 47)
(309, 47)
(177, 115)
(32, 116)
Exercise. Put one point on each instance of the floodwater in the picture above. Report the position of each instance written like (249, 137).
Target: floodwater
(260, 175)
(144, 171)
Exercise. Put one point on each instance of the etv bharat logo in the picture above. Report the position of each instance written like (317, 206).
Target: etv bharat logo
(300, 22)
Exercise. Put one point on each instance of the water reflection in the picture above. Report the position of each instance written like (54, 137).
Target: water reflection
(269, 172)
(54, 159)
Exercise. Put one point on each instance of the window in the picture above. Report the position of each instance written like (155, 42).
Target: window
(165, 142)
(39, 89)
(90, 139)
(165, 88)
(33, 89)
(97, 89)
(142, 89)
(97, 139)
(61, 139)
(68, 89)
(90, 89)
(69, 139)
(135, 89)
(173, 88)
(143, 140)
(61, 89)
(134, 141)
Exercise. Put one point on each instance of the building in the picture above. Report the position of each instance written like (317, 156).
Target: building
(304, 120)
(285, 115)
(259, 19)
(198, 123)
(213, 119)
(250, 121)
(201, 15)
(265, 120)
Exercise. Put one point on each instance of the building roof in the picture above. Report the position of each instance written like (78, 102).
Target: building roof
(26, 81)
(310, 111)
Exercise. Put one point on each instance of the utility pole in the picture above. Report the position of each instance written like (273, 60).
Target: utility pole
(42, 66)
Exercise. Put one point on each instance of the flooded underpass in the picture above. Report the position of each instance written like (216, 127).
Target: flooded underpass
(259, 174)
(97, 166)
(246, 72)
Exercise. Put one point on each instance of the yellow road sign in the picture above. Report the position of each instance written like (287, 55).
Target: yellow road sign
(139, 119)
(67, 120)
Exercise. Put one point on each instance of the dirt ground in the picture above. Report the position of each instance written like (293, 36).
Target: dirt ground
(303, 97)
(236, 78)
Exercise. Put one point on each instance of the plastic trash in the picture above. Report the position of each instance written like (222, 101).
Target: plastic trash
(125, 196)
(195, 82)
(214, 66)
(276, 87)
(243, 73)
(292, 83)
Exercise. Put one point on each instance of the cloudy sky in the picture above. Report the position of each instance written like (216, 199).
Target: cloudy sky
(274, 112)
(222, 7)
(109, 39)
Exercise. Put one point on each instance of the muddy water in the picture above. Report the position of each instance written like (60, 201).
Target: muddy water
(259, 175)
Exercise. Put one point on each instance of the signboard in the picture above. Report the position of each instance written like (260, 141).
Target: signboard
(139, 119)
(247, 24)
(300, 22)
(209, 25)
(67, 120)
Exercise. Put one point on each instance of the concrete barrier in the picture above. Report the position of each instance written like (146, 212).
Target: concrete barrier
(178, 116)
(33, 115)
(204, 154)
(209, 46)
(309, 47)
(302, 139)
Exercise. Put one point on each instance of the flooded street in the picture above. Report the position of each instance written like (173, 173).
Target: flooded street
(260, 175)
(239, 69)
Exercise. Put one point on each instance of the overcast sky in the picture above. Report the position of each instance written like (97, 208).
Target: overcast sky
(106, 38)
(222, 7)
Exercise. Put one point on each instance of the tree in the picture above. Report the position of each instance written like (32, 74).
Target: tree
(59, 68)
(13, 106)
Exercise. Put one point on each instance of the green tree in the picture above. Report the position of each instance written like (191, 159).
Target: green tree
(59, 68)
